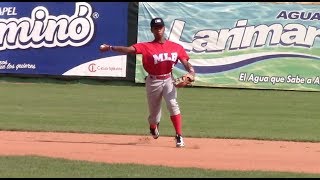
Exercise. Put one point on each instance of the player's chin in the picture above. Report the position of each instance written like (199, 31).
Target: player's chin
(159, 35)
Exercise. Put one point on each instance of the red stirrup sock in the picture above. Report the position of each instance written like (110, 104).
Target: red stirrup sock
(177, 123)
(153, 126)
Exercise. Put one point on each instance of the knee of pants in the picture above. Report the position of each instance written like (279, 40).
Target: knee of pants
(173, 107)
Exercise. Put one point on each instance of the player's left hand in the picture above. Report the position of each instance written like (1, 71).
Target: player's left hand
(185, 80)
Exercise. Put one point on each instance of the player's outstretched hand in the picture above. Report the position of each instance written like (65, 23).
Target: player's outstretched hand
(104, 48)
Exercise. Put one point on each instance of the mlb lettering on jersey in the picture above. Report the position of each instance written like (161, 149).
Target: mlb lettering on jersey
(165, 57)
(8, 11)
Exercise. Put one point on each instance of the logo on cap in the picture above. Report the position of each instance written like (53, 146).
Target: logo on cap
(156, 22)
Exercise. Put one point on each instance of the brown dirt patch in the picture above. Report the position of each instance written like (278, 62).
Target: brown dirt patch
(218, 154)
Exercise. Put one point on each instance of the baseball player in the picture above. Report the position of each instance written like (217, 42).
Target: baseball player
(158, 58)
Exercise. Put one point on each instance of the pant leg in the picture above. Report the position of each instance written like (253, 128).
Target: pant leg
(170, 96)
(154, 90)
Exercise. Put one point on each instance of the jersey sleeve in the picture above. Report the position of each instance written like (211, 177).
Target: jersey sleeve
(139, 48)
(183, 54)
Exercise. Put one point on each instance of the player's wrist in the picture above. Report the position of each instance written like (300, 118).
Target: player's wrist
(191, 71)
(110, 48)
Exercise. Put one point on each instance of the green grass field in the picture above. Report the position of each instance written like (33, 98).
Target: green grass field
(73, 106)
(207, 112)
(42, 167)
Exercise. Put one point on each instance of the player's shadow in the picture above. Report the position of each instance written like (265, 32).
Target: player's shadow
(140, 142)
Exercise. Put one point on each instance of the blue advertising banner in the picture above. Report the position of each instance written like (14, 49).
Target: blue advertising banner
(62, 38)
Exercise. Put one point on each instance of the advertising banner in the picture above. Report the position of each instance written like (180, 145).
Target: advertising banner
(259, 45)
(62, 38)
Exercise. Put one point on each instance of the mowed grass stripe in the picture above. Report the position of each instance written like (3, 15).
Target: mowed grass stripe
(122, 109)
(43, 167)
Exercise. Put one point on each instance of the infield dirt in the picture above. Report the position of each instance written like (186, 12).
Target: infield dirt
(217, 154)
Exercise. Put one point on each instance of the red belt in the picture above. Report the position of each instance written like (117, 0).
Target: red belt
(163, 76)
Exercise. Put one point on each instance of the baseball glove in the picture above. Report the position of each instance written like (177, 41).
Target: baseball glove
(185, 80)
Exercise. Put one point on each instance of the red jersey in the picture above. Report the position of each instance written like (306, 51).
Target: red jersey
(160, 58)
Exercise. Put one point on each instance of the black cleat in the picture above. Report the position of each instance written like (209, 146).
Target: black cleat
(155, 132)
(179, 141)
